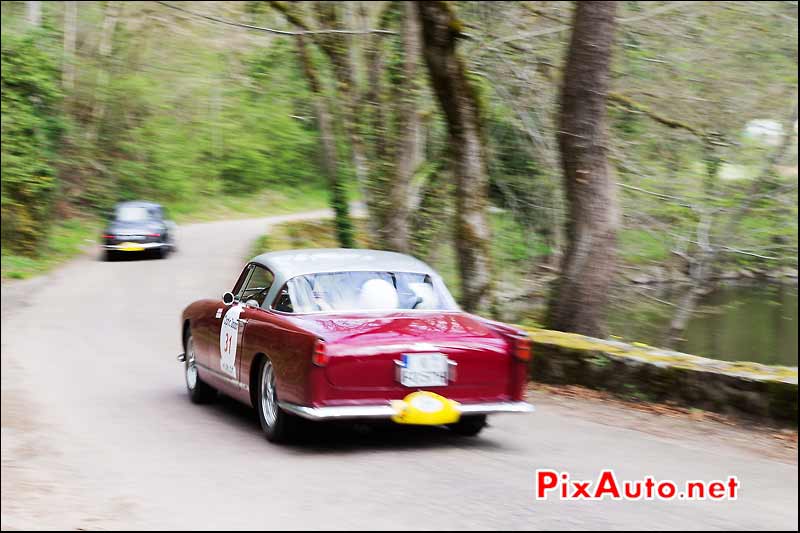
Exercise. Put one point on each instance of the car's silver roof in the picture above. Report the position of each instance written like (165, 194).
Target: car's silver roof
(137, 203)
(290, 263)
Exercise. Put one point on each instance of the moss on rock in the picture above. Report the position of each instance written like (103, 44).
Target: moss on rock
(641, 371)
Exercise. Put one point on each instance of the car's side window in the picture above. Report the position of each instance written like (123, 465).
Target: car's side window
(257, 285)
(242, 281)
(283, 302)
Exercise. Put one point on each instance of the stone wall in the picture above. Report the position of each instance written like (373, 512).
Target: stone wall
(652, 374)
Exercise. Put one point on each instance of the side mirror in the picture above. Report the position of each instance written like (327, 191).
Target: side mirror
(228, 298)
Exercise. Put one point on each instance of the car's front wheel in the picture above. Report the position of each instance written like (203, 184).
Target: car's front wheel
(278, 425)
(199, 390)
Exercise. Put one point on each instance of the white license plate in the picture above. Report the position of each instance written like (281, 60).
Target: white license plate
(424, 370)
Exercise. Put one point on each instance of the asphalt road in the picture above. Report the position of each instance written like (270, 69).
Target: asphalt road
(97, 431)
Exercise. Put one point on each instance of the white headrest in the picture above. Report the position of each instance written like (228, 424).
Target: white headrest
(377, 294)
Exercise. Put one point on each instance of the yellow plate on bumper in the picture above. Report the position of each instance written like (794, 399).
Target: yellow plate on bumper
(425, 408)
(131, 247)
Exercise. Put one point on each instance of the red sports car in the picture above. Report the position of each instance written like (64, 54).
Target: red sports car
(351, 334)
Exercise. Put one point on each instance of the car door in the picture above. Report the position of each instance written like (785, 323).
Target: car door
(206, 329)
(250, 293)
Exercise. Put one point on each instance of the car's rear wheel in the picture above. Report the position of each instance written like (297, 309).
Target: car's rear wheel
(110, 255)
(278, 425)
(469, 426)
(199, 390)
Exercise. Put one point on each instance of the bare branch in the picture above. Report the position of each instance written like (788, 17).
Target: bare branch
(274, 31)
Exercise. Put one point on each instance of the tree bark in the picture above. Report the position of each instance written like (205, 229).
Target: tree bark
(338, 49)
(375, 107)
(459, 102)
(70, 37)
(112, 13)
(398, 217)
(344, 226)
(33, 13)
(322, 107)
(579, 300)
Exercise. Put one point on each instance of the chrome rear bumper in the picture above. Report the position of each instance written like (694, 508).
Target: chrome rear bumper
(345, 412)
(144, 245)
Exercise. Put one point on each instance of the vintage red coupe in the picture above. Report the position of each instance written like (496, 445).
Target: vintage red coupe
(351, 334)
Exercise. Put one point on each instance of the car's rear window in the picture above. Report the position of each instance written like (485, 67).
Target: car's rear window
(363, 291)
(132, 214)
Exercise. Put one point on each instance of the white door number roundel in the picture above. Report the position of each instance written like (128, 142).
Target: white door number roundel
(228, 337)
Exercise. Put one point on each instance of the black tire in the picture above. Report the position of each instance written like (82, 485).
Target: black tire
(109, 255)
(277, 424)
(199, 391)
(469, 426)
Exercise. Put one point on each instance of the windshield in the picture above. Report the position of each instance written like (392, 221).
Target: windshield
(132, 214)
(362, 291)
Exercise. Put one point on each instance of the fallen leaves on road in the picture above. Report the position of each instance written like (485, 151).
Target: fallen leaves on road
(786, 436)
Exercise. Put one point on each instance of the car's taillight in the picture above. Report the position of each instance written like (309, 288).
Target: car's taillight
(522, 348)
(154, 235)
(108, 236)
(320, 356)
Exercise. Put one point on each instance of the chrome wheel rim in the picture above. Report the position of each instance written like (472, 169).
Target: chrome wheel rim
(269, 401)
(191, 367)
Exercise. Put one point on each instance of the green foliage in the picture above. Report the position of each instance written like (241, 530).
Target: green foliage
(248, 137)
(64, 240)
(190, 141)
(639, 246)
(32, 125)
(514, 246)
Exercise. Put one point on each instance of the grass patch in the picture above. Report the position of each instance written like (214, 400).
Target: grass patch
(66, 240)
(513, 243)
(306, 234)
(639, 247)
(262, 204)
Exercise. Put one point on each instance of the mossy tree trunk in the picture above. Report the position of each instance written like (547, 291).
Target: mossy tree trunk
(377, 131)
(70, 38)
(578, 302)
(337, 48)
(111, 16)
(322, 107)
(344, 225)
(459, 102)
(398, 217)
(33, 13)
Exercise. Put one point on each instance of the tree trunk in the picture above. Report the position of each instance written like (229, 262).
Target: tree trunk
(338, 49)
(322, 106)
(458, 99)
(344, 226)
(70, 37)
(33, 13)
(579, 300)
(110, 18)
(377, 182)
(398, 230)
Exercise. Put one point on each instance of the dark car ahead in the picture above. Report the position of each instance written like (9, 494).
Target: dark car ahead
(138, 227)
